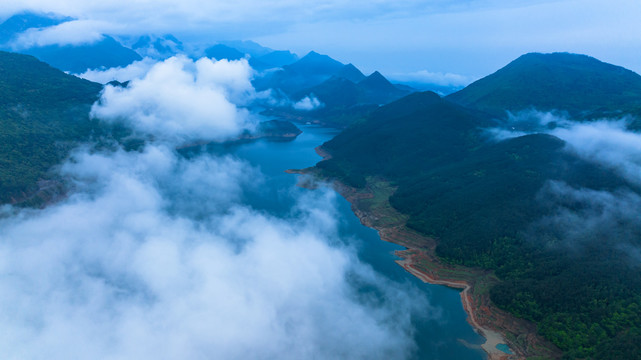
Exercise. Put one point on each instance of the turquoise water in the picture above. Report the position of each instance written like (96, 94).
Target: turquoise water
(437, 338)
(504, 348)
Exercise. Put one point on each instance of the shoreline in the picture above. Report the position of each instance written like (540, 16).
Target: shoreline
(419, 259)
(492, 338)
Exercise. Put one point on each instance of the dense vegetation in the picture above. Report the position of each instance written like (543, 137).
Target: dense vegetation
(578, 84)
(42, 112)
(501, 206)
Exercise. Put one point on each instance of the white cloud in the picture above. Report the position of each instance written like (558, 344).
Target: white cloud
(437, 78)
(608, 143)
(135, 70)
(308, 103)
(182, 100)
(119, 271)
(76, 32)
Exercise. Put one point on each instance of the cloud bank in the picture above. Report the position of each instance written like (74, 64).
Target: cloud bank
(154, 256)
(75, 32)
(135, 70)
(181, 100)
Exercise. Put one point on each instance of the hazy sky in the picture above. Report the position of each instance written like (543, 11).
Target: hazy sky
(471, 37)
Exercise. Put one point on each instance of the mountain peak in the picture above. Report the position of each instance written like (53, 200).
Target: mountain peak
(376, 81)
(316, 64)
(351, 73)
(220, 52)
(579, 84)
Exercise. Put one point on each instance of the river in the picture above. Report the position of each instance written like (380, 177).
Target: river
(445, 336)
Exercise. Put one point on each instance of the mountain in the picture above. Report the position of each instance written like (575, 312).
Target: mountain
(77, 59)
(278, 58)
(581, 85)
(379, 90)
(339, 91)
(307, 72)
(404, 137)
(525, 208)
(43, 112)
(248, 47)
(314, 65)
(351, 73)
(19, 23)
(158, 47)
(333, 92)
(220, 52)
(73, 58)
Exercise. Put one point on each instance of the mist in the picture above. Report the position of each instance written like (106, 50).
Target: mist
(155, 255)
(606, 142)
(583, 217)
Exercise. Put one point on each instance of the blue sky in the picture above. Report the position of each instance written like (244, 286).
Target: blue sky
(469, 38)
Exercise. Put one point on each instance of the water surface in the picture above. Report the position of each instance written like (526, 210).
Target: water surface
(443, 333)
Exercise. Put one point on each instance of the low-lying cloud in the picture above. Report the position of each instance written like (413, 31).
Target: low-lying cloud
(183, 100)
(308, 103)
(607, 142)
(433, 78)
(155, 256)
(135, 70)
(581, 217)
(75, 32)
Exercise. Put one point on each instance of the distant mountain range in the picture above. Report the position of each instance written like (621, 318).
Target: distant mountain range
(342, 91)
(481, 197)
(104, 53)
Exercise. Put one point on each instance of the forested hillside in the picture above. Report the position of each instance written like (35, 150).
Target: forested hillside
(541, 216)
(43, 111)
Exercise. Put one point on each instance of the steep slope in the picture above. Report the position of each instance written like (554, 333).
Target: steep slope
(379, 90)
(581, 85)
(77, 59)
(278, 58)
(220, 52)
(310, 70)
(404, 138)
(104, 53)
(42, 112)
(351, 73)
(314, 65)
